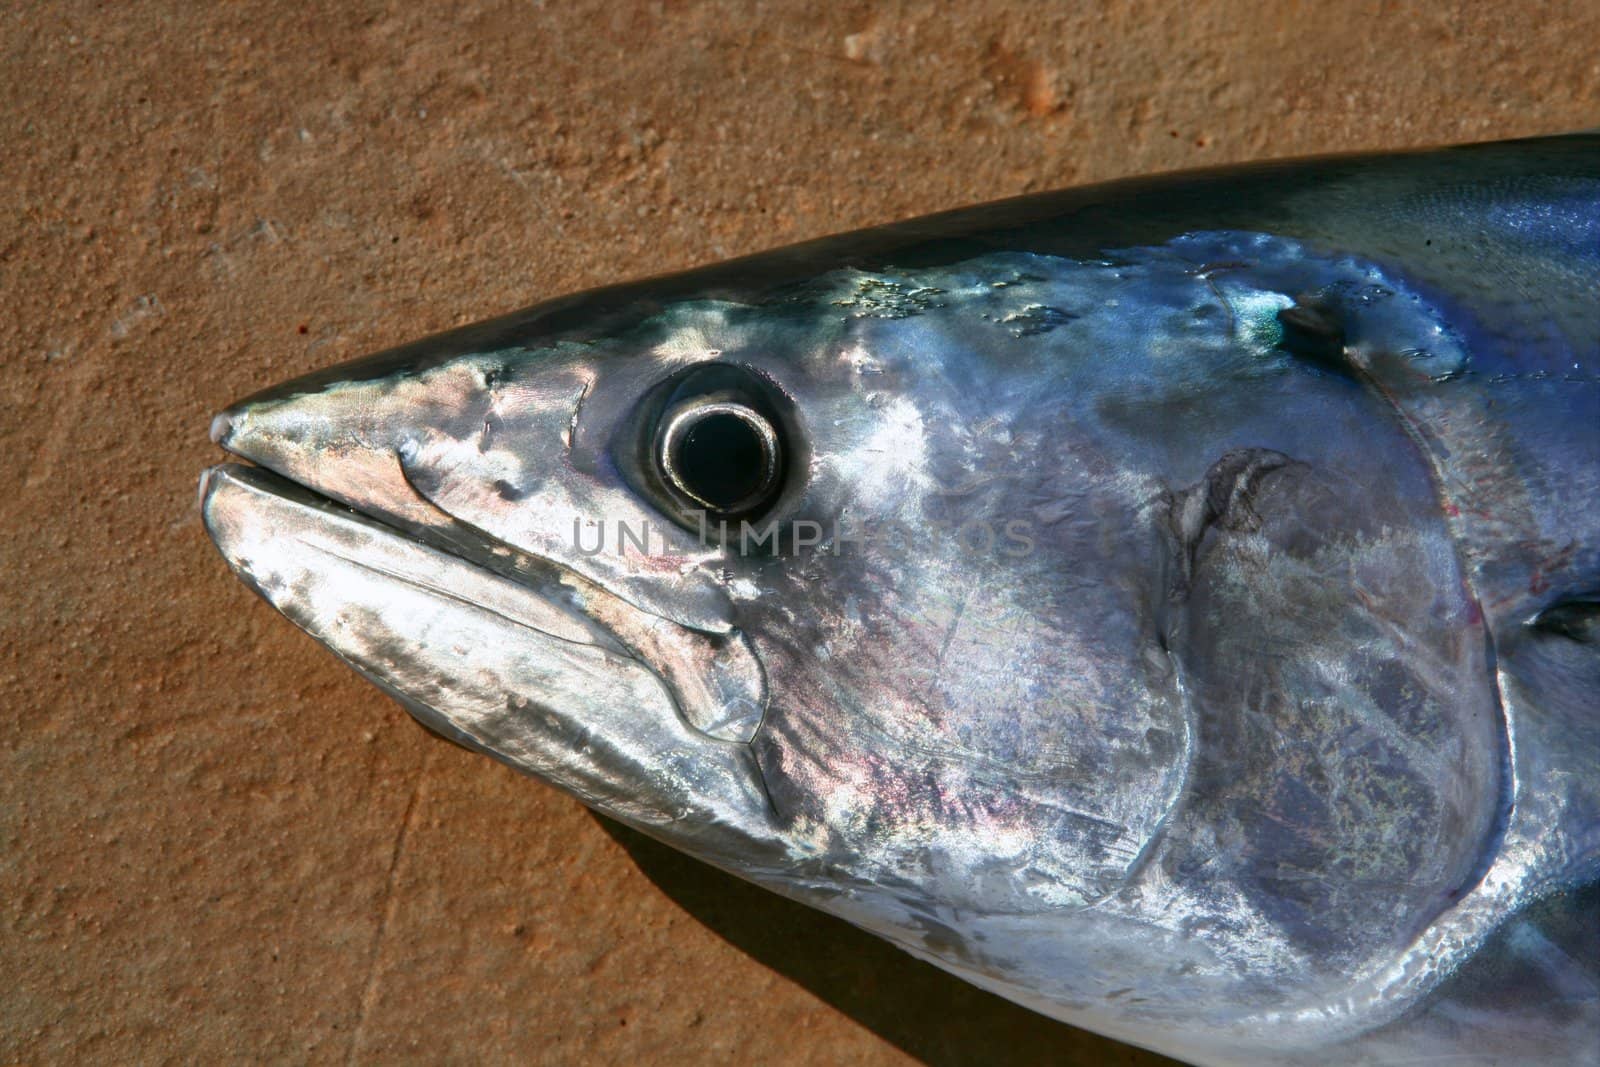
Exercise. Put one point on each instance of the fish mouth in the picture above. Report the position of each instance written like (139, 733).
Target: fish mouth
(349, 580)
(507, 654)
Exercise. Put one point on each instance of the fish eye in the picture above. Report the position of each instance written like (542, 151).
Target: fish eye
(720, 453)
(718, 440)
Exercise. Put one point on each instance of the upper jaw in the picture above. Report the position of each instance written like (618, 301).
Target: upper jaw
(488, 443)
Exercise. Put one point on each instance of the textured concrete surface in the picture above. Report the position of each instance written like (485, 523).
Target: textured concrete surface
(218, 844)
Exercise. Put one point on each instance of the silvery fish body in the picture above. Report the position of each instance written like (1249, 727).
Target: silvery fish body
(1170, 604)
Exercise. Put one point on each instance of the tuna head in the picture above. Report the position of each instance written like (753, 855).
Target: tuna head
(1079, 625)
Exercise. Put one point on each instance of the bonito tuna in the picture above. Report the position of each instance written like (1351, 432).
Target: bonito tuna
(1170, 604)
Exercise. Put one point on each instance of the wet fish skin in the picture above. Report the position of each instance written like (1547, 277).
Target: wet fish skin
(1184, 619)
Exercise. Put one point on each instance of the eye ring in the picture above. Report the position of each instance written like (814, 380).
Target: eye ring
(720, 454)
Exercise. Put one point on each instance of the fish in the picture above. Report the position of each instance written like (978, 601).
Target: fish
(1169, 604)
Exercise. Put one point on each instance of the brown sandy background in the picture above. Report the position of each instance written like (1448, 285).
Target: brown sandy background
(216, 843)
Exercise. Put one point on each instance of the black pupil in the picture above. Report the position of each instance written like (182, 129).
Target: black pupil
(722, 460)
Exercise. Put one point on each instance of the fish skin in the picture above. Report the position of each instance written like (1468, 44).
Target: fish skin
(1260, 729)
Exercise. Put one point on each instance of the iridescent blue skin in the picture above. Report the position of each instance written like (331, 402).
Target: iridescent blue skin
(1199, 644)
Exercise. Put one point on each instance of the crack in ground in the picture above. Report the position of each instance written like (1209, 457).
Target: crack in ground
(388, 904)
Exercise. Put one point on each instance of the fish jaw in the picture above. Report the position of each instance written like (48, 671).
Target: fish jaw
(526, 675)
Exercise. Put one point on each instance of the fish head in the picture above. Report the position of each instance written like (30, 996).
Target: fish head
(773, 539)
(952, 600)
